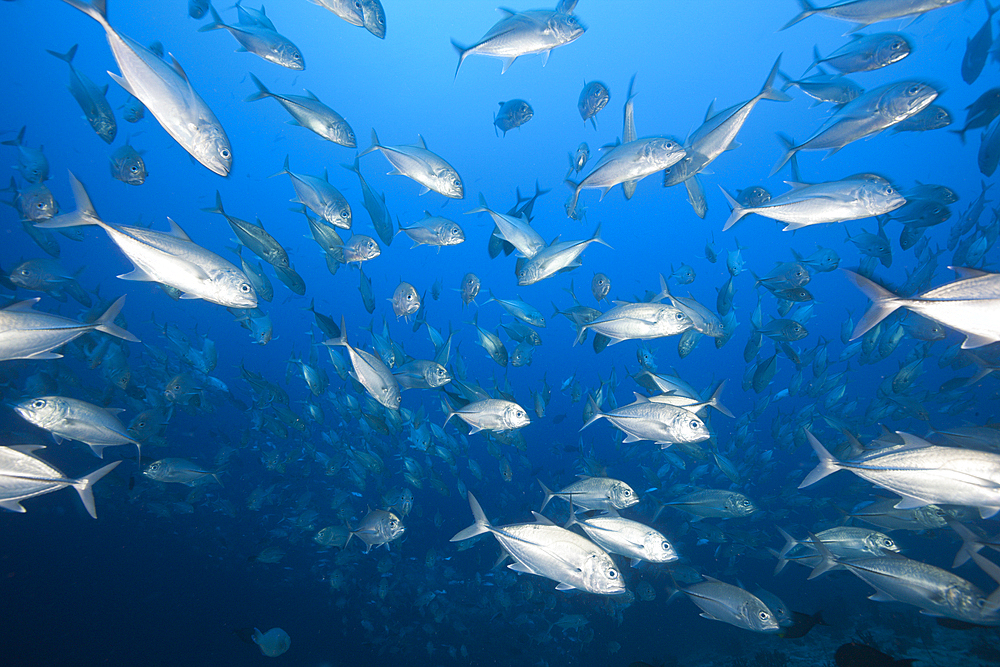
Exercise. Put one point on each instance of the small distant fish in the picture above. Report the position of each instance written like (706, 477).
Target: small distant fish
(594, 97)
(128, 166)
(512, 113)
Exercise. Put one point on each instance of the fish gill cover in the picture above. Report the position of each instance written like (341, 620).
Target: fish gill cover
(325, 416)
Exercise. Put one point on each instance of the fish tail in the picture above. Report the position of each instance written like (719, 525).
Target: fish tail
(571, 204)
(884, 303)
(767, 91)
(597, 412)
(463, 53)
(84, 484)
(262, 90)
(790, 151)
(789, 82)
(548, 494)
(737, 211)
(807, 10)
(481, 525)
(342, 340)
(829, 560)
(356, 167)
(827, 463)
(96, 9)
(790, 543)
(216, 23)
(106, 323)
(596, 238)
(374, 147)
(83, 215)
(19, 139)
(970, 543)
(284, 170)
(960, 133)
(66, 57)
(716, 402)
(218, 205)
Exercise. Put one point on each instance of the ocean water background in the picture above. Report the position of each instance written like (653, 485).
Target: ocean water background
(134, 587)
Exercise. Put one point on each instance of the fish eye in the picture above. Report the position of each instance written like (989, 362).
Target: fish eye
(612, 573)
(895, 46)
(244, 288)
(665, 545)
(694, 423)
(627, 493)
(225, 153)
(134, 169)
(763, 615)
(141, 424)
(38, 403)
(39, 205)
(913, 90)
(744, 503)
(679, 315)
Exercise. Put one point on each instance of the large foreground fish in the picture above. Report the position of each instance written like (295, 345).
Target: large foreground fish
(29, 334)
(167, 93)
(73, 419)
(171, 259)
(24, 476)
(550, 551)
(970, 305)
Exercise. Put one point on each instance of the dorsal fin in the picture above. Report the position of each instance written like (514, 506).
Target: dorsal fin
(175, 230)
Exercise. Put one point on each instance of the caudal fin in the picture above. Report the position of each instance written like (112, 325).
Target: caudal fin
(84, 484)
(262, 90)
(827, 463)
(106, 322)
(65, 57)
(284, 170)
(481, 525)
(829, 560)
(463, 53)
(884, 303)
(737, 211)
(790, 150)
(374, 147)
(715, 400)
(97, 10)
(548, 495)
(83, 215)
(342, 340)
(807, 10)
(592, 404)
(768, 91)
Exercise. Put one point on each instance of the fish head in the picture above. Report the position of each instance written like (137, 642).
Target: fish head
(450, 184)
(232, 288)
(892, 49)
(212, 148)
(600, 286)
(470, 287)
(514, 417)
(529, 273)
(667, 153)
(452, 234)
(390, 526)
(373, 16)
(622, 496)
(340, 133)
(740, 505)
(405, 300)
(875, 542)
(156, 470)
(287, 55)
(129, 169)
(564, 28)
(908, 98)
(759, 617)
(657, 548)
(691, 428)
(436, 375)
(36, 203)
(105, 127)
(601, 575)
(41, 411)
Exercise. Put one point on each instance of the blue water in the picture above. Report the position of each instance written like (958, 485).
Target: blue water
(162, 578)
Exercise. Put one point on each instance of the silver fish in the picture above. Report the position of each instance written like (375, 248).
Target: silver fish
(865, 12)
(405, 301)
(128, 166)
(421, 165)
(374, 376)
(559, 256)
(308, 112)
(617, 535)
(594, 97)
(23, 476)
(546, 550)
(73, 419)
(375, 205)
(594, 493)
(168, 258)
(523, 33)
(491, 414)
(92, 99)
(730, 604)
(511, 114)
(261, 41)
(320, 197)
(650, 420)
(254, 237)
(377, 528)
(29, 334)
(716, 503)
(178, 471)
(31, 162)
(167, 93)
(434, 231)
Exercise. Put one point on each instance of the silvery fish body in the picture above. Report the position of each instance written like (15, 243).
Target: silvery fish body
(377, 528)
(594, 97)
(178, 471)
(547, 550)
(865, 12)
(320, 197)
(168, 258)
(594, 493)
(308, 112)
(417, 163)
(23, 476)
(649, 420)
(422, 374)
(262, 41)
(628, 162)
(642, 321)
(628, 538)
(91, 98)
(374, 376)
(523, 33)
(491, 414)
(167, 93)
(73, 419)
(715, 503)
(434, 231)
(730, 604)
(29, 334)
(128, 166)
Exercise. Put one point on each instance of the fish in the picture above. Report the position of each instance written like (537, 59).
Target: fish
(29, 334)
(977, 47)
(715, 503)
(866, 53)
(520, 309)
(519, 34)
(600, 287)
(866, 12)
(377, 528)
(272, 643)
(405, 301)
(638, 321)
(421, 165)
(661, 423)
(730, 604)
(308, 112)
(374, 376)
(179, 471)
(557, 257)
(34, 203)
(349, 10)
(594, 493)
(470, 288)
(515, 230)
(978, 114)
(594, 97)
(968, 305)
(375, 205)
(167, 258)
(91, 98)
(372, 17)
(852, 198)
(491, 414)
(166, 92)
(512, 113)
(421, 374)
(73, 419)
(628, 162)
(254, 237)
(260, 40)
(23, 475)
(824, 87)
(320, 197)
(547, 550)
(31, 162)
(578, 160)
(434, 231)
(128, 166)
(617, 535)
